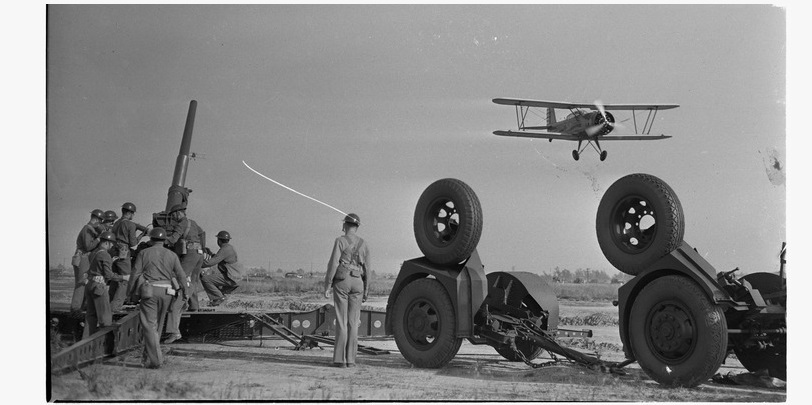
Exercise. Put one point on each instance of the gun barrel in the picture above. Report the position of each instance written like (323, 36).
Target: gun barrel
(182, 162)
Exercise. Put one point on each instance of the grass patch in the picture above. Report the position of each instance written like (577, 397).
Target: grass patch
(585, 292)
(596, 319)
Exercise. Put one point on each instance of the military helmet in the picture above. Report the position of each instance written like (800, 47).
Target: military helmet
(352, 219)
(177, 207)
(157, 233)
(224, 235)
(97, 213)
(110, 216)
(128, 206)
(108, 236)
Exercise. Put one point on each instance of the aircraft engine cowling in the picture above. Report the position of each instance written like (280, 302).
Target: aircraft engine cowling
(607, 127)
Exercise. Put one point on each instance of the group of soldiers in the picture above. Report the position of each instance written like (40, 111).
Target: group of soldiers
(112, 267)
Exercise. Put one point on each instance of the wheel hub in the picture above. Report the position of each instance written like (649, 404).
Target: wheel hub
(670, 332)
(634, 225)
(421, 323)
(443, 221)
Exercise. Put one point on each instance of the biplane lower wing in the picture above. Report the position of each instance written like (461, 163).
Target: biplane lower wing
(542, 135)
(564, 137)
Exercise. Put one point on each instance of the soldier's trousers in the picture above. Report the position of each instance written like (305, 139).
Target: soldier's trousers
(192, 264)
(216, 284)
(98, 313)
(80, 280)
(347, 295)
(152, 312)
(118, 289)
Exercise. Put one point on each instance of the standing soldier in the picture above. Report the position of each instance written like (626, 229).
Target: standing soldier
(96, 293)
(110, 218)
(348, 275)
(224, 279)
(86, 242)
(152, 283)
(187, 239)
(127, 240)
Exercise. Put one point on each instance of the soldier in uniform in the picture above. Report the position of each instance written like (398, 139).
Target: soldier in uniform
(96, 291)
(110, 218)
(225, 278)
(348, 276)
(127, 240)
(187, 239)
(86, 242)
(152, 284)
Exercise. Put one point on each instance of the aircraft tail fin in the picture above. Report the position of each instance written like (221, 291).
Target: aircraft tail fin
(550, 116)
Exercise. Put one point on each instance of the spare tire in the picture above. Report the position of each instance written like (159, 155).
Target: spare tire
(639, 221)
(448, 222)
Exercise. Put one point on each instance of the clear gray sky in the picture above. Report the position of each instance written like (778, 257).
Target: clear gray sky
(364, 106)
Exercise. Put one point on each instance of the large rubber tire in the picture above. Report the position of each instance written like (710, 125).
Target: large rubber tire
(448, 222)
(677, 335)
(773, 358)
(425, 325)
(639, 221)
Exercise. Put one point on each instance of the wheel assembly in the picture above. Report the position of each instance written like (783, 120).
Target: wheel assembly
(639, 220)
(522, 295)
(447, 222)
(678, 336)
(761, 351)
(425, 324)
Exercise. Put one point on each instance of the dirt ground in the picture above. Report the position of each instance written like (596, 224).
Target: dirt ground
(271, 370)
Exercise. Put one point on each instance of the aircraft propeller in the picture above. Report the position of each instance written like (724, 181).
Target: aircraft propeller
(607, 121)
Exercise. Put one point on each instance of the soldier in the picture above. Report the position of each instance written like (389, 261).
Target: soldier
(86, 242)
(229, 271)
(110, 218)
(187, 240)
(156, 277)
(96, 292)
(127, 240)
(348, 275)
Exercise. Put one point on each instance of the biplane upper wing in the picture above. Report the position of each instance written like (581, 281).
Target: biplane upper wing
(566, 105)
(565, 137)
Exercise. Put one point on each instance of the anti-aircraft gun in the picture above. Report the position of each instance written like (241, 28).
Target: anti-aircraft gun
(178, 192)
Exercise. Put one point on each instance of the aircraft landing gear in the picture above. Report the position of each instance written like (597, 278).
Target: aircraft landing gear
(575, 155)
(603, 156)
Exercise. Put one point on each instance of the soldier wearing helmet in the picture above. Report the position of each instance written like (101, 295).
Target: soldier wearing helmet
(224, 279)
(96, 291)
(86, 242)
(188, 241)
(127, 240)
(156, 278)
(348, 277)
(110, 218)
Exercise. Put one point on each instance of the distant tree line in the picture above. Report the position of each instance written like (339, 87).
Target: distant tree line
(587, 276)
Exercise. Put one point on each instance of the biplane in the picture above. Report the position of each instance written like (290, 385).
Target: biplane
(590, 123)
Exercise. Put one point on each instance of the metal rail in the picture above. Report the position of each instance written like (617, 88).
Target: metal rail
(110, 341)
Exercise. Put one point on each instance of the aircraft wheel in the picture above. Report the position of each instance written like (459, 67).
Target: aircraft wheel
(677, 335)
(425, 324)
(448, 222)
(773, 357)
(639, 221)
(603, 155)
(575, 155)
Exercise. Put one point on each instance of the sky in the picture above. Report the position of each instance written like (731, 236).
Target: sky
(364, 106)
